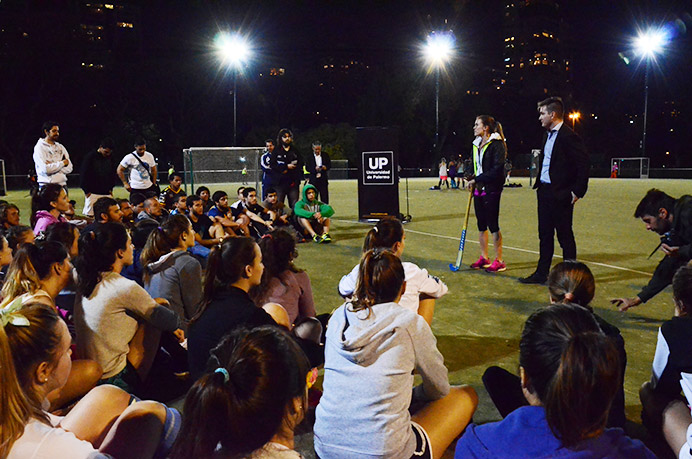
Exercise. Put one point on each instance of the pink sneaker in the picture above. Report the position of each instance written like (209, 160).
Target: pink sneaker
(481, 263)
(497, 267)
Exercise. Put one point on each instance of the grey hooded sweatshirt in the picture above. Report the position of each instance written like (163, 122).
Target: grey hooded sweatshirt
(368, 377)
(177, 277)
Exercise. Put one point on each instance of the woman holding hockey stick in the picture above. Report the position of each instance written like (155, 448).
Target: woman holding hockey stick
(489, 153)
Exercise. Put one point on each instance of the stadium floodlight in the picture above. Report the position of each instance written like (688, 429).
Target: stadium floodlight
(648, 44)
(234, 51)
(438, 50)
(574, 116)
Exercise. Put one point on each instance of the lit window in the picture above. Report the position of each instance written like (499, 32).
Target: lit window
(108, 6)
(125, 25)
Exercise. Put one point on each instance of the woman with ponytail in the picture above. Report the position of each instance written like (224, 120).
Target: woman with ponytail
(170, 271)
(118, 324)
(569, 282)
(373, 348)
(489, 153)
(37, 274)
(282, 282)
(250, 399)
(570, 373)
(107, 422)
(48, 206)
(422, 289)
(234, 267)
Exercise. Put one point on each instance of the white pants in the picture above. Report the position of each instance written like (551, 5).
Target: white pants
(89, 203)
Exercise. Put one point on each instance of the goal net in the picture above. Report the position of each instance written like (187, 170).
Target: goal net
(227, 165)
(629, 167)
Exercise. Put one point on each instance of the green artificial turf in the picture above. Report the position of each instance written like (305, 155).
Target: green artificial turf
(479, 322)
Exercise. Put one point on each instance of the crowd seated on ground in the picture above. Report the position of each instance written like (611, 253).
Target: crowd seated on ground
(239, 311)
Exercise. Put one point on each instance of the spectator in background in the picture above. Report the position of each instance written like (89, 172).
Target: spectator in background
(9, 216)
(141, 168)
(137, 204)
(265, 164)
(318, 165)
(51, 159)
(286, 168)
(140, 233)
(313, 215)
(128, 213)
(221, 213)
(98, 175)
(280, 214)
(47, 206)
(207, 233)
(152, 211)
(106, 210)
(169, 196)
(65, 233)
(18, 236)
(260, 218)
(180, 205)
(204, 193)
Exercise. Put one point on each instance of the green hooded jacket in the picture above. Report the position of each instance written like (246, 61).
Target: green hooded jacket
(306, 209)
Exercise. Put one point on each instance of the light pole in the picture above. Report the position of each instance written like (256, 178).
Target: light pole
(233, 51)
(574, 116)
(647, 45)
(438, 51)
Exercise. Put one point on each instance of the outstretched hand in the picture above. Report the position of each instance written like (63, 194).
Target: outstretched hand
(623, 304)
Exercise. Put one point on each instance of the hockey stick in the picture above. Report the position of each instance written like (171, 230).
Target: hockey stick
(455, 266)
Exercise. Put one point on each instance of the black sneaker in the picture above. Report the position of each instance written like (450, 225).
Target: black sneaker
(534, 278)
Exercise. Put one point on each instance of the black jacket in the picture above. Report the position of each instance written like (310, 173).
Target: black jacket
(569, 165)
(98, 173)
(280, 173)
(310, 165)
(493, 176)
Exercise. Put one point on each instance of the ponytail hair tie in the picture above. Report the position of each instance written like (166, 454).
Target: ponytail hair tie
(160, 229)
(224, 372)
(569, 296)
(377, 230)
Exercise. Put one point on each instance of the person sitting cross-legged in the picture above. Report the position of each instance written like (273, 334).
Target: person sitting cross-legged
(313, 215)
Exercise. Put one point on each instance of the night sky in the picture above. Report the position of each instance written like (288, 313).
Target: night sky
(165, 81)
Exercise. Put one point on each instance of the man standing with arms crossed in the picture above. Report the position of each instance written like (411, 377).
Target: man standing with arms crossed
(97, 177)
(51, 159)
(562, 181)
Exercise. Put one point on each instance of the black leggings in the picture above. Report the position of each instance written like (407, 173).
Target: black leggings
(487, 208)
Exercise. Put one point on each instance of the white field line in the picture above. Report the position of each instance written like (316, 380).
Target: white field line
(505, 247)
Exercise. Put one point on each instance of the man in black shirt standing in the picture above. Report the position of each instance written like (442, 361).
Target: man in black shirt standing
(97, 176)
(286, 168)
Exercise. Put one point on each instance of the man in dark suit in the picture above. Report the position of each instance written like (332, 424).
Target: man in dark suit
(563, 179)
(317, 166)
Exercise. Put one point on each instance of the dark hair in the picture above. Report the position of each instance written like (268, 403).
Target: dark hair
(194, 198)
(139, 141)
(553, 105)
(271, 190)
(216, 197)
(652, 202)
(571, 282)
(41, 199)
(122, 201)
(14, 236)
(380, 278)
(48, 125)
(97, 252)
(266, 371)
(137, 199)
(226, 265)
(278, 252)
(281, 134)
(31, 264)
(247, 190)
(102, 205)
(682, 288)
(239, 190)
(22, 349)
(141, 231)
(162, 240)
(200, 189)
(107, 143)
(62, 232)
(174, 175)
(3, 211)
(387, 232)
(271, 141)
(572, 367)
